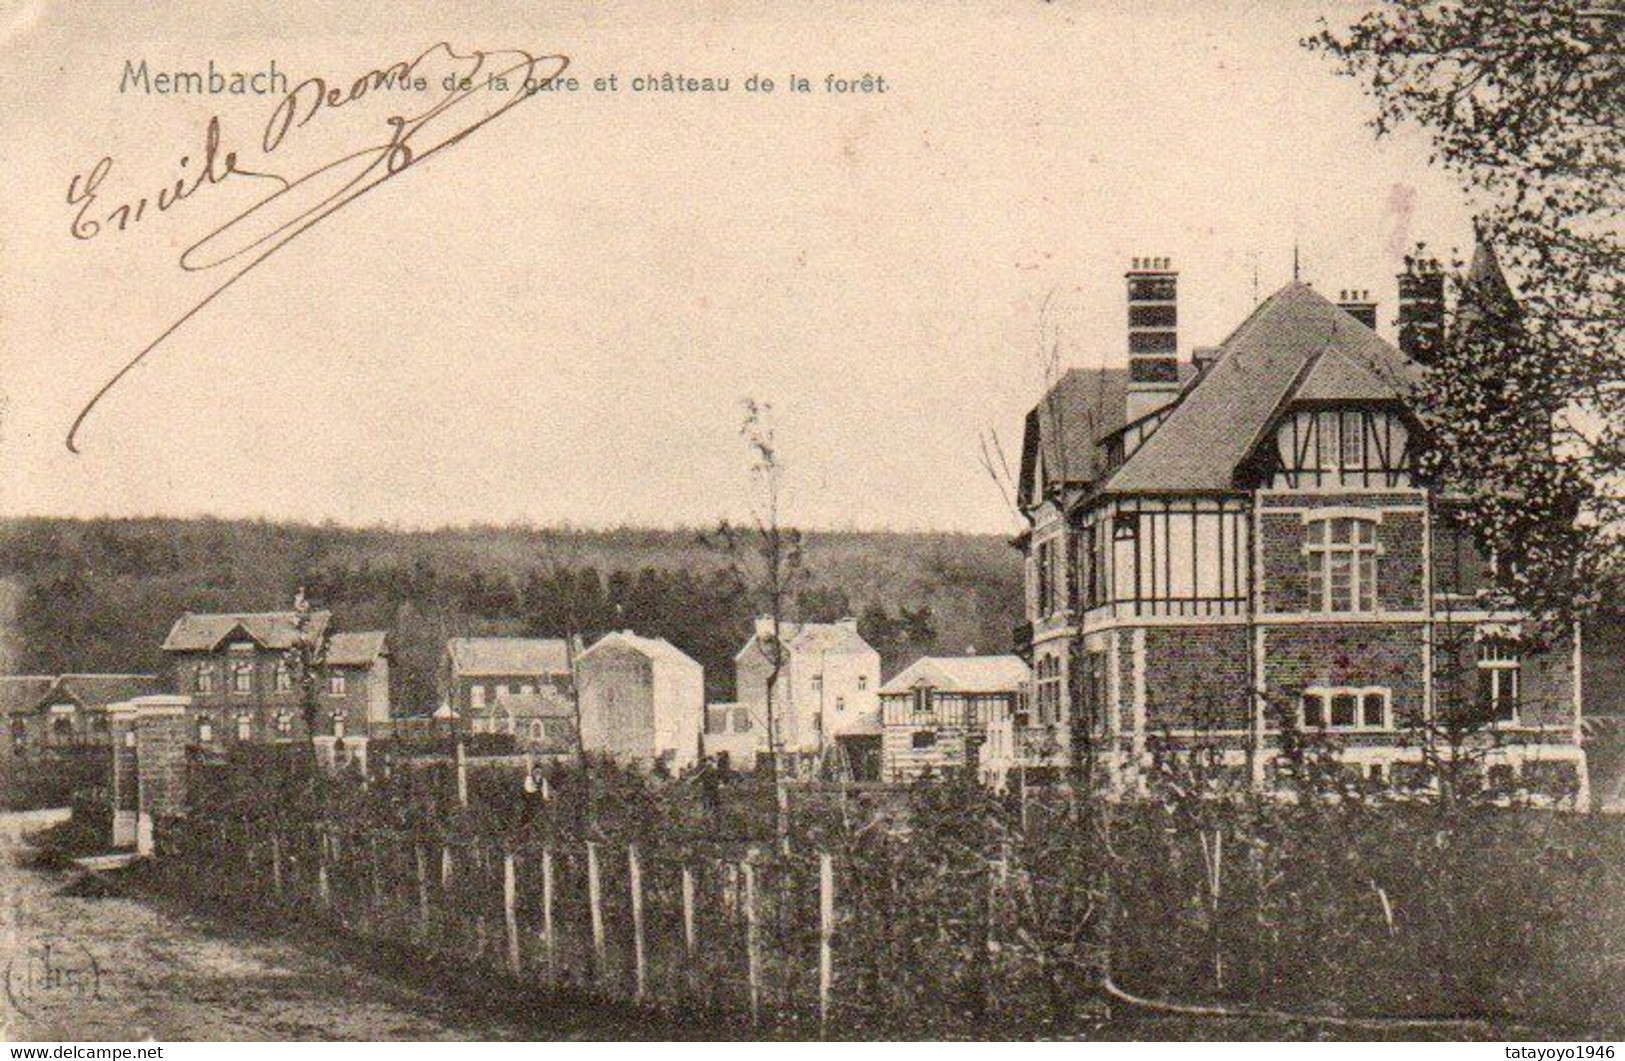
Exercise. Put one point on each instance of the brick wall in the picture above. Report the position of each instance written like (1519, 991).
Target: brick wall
(1197, 677)
(1400, 540)
(1388, 655)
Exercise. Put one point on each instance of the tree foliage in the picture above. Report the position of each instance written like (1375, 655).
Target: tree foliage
(1527, 405)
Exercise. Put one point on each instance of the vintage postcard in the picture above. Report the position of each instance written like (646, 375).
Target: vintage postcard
(947, 520)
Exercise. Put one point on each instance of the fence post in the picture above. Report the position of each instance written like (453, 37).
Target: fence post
(323, 889)
(422, 861)
(462, 776)
(510, 912)
(753, 961)
(276, 863)
(690, 939)
(634, 876)
(826, 934)
(595, 903)
(377, 876)
(547, 911)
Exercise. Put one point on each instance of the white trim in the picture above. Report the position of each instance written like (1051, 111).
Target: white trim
(1376, 618)
(1315, 515)
(1579, 683)
(1138, 650)
(1329, 692)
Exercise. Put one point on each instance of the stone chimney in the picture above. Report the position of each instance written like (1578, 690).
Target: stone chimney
(1358, 304)
(1153, 335)
(1202, 357)
(1421, 309)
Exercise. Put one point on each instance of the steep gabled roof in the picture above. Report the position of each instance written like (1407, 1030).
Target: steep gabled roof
(963, 674)
(358, 648)
(841, 637)
(1065, 428)
(23, 692)
(655, 649)
(21, 695)
(1296, 345)
(477, 657)
(204, 632)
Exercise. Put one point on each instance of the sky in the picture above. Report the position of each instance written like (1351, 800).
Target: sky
(556, 320)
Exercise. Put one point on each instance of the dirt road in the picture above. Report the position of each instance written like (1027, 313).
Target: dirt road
(77, 967)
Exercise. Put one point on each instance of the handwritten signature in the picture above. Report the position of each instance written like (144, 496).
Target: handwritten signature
(296, 205)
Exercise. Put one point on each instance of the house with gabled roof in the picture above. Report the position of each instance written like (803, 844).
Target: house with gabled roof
(1223, 548)
(947, 713)
(234, 667)
(825, 696)
(52, 712)
(642, 701)
(516, 685)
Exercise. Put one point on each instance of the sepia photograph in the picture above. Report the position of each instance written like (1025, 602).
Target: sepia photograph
(733, 521)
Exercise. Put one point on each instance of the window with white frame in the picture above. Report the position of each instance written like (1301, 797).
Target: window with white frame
(1341, 552)
(477, 696)
(245, 727)
(336, 683)
(242, 676)
(204, 679)
(284, 724)
(338, 724)
(1499, 667)
(282, 680)
(1049, 690)
(1345, 708)
(205, 730)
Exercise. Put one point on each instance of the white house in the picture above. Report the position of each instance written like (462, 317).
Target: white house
(642, 701)
(826, 694)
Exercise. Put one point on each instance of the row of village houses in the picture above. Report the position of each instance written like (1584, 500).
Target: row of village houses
(642, 700)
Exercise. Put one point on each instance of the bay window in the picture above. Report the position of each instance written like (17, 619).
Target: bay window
(1166, 556)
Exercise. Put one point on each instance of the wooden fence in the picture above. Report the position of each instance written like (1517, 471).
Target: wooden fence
(761, 937)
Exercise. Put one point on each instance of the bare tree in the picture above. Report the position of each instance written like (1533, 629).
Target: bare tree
(766, 563)
(306, 660)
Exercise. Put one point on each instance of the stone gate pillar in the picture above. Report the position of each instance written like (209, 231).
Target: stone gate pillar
(149, 737)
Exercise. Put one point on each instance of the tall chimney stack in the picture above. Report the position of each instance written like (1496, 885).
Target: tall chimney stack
(1153, 335)
(1358, 304)
(1421, 309)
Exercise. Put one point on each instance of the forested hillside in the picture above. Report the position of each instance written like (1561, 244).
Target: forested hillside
(91, 595)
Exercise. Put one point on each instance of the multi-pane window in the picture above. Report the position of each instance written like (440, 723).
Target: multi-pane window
(1345, 709)
(282, 678)
(204, 682)
(863, 682)
(1342, 564)
(242, 676)
(1049, 690)
(336, 683)
(477, 696)
(1166, 557)
(1499, 665)
(284, 724)
(205, 730)
(1046, 578)
(245, 727)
